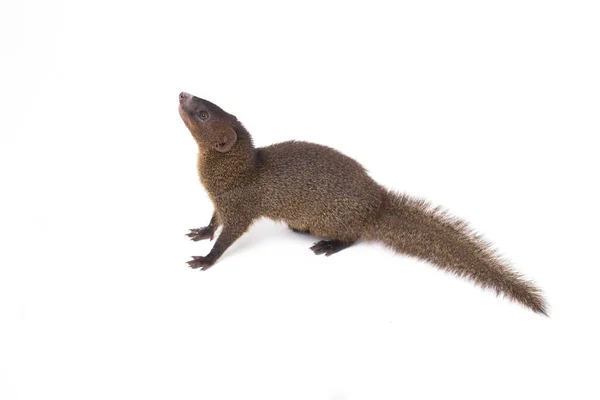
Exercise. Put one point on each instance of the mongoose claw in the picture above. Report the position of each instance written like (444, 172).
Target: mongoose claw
(200, 262)
(201, 234)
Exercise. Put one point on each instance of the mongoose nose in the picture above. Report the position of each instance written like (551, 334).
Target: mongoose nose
(183, 96)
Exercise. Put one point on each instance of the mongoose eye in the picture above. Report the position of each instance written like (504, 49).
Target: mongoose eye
(203, 115)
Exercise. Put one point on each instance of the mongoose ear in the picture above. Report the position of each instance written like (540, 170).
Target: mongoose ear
(226, 140)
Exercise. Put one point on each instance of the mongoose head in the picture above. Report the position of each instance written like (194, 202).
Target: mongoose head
(211, 127)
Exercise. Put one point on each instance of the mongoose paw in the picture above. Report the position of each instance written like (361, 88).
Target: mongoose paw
(200, 262)
(329, 247)
(201, 233)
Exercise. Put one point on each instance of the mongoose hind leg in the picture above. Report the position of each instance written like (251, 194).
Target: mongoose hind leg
(329, 247)
(299, 230)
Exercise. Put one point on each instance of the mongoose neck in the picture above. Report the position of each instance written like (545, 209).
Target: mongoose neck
(223, 172)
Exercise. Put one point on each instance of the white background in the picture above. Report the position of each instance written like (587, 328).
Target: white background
(490, 109)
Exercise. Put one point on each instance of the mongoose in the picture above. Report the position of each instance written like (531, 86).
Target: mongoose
(318, 190)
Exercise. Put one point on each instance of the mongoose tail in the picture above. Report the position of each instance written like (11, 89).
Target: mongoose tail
(413, 227)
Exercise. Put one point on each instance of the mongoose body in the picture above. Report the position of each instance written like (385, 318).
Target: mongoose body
(295, 179)
(318, 190)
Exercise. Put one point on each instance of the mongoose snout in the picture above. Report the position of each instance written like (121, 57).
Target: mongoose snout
(185, 100)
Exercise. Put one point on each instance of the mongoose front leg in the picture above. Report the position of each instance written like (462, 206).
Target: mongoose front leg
(207, 232)
(329, 247)
(231, 232)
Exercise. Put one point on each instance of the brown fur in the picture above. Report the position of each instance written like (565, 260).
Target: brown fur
(316, 189)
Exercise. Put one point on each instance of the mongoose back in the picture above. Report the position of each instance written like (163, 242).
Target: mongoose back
(316, 189)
